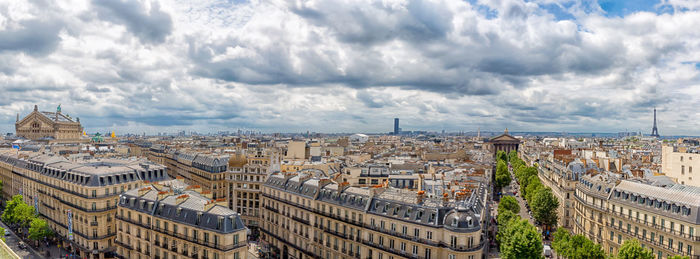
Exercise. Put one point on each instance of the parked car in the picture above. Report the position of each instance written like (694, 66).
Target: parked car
(22, 245)
(7, 232)
(547, 251)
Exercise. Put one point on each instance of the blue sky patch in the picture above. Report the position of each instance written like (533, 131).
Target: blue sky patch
(623, 8)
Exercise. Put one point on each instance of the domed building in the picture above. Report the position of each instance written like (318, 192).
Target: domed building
(49, 126)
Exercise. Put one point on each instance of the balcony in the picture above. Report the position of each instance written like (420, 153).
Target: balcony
(123, 245)
(94, 223)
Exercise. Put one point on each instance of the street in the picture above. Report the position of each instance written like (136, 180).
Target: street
(13, 242)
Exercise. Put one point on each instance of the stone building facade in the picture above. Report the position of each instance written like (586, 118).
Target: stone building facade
(78, 198)
(169, 219)
(663, 219)
(311, 217)
(49, 126)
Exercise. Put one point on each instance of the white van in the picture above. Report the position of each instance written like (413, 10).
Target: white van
(547, 251)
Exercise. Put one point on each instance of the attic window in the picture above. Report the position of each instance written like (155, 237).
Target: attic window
(419, 215)
(431, 219)
(454, 222)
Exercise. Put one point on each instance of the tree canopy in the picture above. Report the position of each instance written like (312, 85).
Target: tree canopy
(39, 229)
(509, 203)
(502, 156)
(544, 207)
(23, 214)
(513, 156)
(8, 215)
(502, 174)
(520, 240)
(575, 247)
(631, 249)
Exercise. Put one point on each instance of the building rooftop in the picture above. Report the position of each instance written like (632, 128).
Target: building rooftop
(175, 201)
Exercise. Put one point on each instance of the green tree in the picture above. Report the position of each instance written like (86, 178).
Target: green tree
(631, 249)
(575, 247)
(520, 240)
(508, 203)
(504, 217)
(560, 243)
(533, 186)
(502, 175)
(8, 215)
(39, 229)
(23, 214)
(2, 234)
(544, 207)
(502, 156)
(502, 180)
(513, 156)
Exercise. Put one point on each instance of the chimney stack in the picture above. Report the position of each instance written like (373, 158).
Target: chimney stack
(163, 194)
(181, 198)
(420, 196)
(144, 190)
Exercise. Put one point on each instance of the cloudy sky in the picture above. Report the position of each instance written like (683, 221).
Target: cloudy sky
(352, 66)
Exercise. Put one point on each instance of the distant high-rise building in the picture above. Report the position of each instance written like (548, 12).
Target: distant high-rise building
(654, 131)
(396, 126)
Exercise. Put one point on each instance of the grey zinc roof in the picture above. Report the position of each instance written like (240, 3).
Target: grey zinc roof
(684, 197)
(391, 202)
(96, 172)
(61, 117)
(190, 211)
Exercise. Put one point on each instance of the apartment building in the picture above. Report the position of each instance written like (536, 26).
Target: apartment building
(663, 219)
(591, 206)
(196, 168)
(78, 198)
(679, 162)
(246, 175)
(561, 176)
(169, 219)
(312, 217)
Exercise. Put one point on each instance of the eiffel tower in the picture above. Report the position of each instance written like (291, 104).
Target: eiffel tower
(654, 130)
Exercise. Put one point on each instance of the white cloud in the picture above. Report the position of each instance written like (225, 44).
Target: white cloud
(349, 65)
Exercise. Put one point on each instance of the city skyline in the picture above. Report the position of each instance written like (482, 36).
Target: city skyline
(275, 66)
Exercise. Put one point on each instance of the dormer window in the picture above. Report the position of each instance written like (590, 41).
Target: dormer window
(454, 222)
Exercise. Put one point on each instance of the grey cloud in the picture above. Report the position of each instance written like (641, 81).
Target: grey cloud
(34, 37)
(96, 89)
(377, 23)
(150, 27)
